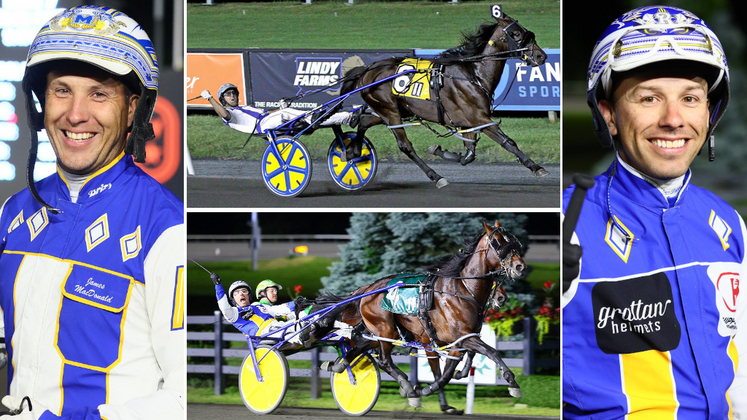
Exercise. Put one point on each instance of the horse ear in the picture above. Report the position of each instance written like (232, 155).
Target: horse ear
(486, 227)
(497, 224)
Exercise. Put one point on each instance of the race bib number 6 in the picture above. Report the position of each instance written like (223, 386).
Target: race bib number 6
(496, 11)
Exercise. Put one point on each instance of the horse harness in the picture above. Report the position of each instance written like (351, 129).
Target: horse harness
(427, 290)
(516, 49)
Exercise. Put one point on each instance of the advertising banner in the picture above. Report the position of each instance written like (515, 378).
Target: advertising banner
(208, 71)
(315, 75)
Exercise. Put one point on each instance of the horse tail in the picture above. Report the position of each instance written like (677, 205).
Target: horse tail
(350, 79)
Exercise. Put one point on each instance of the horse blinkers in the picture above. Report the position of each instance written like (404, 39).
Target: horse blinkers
(504, 251)
(520, 38)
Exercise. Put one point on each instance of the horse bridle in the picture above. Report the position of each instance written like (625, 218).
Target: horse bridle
(504, 252)
(517, 46)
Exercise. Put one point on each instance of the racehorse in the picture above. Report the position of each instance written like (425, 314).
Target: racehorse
(464, 284)
(469, 76)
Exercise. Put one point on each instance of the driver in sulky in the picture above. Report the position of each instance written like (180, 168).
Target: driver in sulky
(252, 120)
(261, 317)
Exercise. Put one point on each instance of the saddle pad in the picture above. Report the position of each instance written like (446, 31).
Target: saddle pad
(413, 85)
(403, 300)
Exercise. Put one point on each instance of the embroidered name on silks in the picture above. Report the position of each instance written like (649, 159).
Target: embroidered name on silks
(100, 189)
(635, 315)
(98, 288)
(92, 291)
(413, 84)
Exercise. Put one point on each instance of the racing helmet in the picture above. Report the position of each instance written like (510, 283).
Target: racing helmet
(225, 88)
(264, 284)
(654, 34)
(102, 37)
(239, 284)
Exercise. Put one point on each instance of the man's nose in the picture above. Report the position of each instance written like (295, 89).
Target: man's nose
(78, 111)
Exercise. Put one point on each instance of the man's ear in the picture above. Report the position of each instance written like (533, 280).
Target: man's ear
(132, 105)
(608, 112)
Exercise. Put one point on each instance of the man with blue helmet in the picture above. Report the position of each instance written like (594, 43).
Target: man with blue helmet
(656, 306)
(252, 120)
(92, 263)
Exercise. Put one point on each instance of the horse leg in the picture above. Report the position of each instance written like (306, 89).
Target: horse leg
(479, 346)
(341, 364)
(355, 148)
(469, 145)
(467, 365)
(501, 138)
(406, 147)
(387, 364)
(440, 381)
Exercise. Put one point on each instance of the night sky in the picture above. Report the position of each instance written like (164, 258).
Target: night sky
(317, 223)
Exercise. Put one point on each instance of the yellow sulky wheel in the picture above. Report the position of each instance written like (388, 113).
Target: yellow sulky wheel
(286, 168)
(355, 174)
(358, 397)
(265, 395)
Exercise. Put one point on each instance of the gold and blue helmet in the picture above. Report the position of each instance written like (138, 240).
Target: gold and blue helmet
(105, 38)
(649, 35)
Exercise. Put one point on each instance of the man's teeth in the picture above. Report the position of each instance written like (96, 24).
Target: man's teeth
(78, 136)
(672, 144)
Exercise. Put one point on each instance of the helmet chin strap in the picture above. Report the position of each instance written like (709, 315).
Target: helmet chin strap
(35, 123)
(142, 129)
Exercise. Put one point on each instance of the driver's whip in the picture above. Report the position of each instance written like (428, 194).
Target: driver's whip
(571, 255)
(196, 97)
(198, 264)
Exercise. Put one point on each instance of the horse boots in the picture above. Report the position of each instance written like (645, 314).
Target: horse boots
(445, 154)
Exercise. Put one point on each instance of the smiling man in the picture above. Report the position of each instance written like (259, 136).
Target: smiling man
(656, 304)
(92, 257)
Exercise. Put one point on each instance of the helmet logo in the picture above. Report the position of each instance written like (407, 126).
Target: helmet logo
(618, 48)
(102, 23)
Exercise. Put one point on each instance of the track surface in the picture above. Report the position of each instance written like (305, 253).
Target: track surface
(238, 184)
(223, 412)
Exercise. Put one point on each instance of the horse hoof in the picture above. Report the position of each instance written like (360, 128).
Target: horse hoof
(515, 392)
(442, 182)
(432, 149)
(452, 411)
(539, 173)
(325, 366)
(414, 402)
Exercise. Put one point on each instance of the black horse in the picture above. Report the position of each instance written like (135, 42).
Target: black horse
(469, 76)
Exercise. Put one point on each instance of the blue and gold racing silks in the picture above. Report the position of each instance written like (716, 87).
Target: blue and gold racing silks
(654, 325)
(263, 316)
(93, 297)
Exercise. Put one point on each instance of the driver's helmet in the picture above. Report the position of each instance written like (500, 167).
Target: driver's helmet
(102, 37)
(225, 88)
(240, 284)
(264, 284)
(649, 35)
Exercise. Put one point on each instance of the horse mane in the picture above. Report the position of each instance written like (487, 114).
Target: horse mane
(452, 265)
(472, 45)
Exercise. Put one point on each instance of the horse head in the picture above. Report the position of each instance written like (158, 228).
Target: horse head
(516, 38)
(505, 249)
